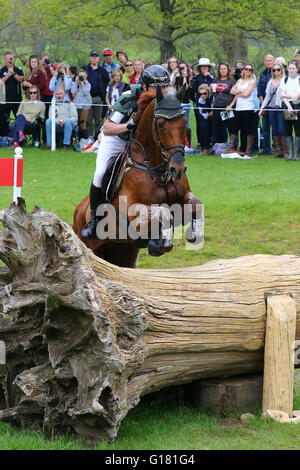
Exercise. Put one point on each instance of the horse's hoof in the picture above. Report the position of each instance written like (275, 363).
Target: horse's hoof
(154, 247)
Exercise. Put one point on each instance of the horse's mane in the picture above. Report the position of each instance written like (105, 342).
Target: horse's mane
(143, 102)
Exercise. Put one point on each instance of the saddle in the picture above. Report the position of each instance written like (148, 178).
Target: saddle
(113, 176)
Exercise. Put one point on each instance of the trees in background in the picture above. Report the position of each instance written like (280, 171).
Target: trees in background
(170, 24)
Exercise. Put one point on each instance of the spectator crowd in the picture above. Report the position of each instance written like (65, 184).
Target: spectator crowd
(235, 109)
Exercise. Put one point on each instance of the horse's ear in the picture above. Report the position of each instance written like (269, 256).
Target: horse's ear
(181, 93)
(159, 94)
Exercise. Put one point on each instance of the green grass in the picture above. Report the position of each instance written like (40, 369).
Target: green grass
(250, 207)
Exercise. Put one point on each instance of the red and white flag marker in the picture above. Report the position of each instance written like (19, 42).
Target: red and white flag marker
(11, 172)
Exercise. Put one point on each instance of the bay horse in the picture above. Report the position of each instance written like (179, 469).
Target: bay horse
(153, 180)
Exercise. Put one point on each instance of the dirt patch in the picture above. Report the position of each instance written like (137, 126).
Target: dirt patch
(231, 423)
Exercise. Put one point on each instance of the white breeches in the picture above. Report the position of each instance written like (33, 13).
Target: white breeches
(110, 146)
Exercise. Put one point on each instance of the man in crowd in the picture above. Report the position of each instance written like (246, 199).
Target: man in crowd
(65, 119)
(47, 94)
(98, 77)
(265, 76)
(12, 77)
(108, 63)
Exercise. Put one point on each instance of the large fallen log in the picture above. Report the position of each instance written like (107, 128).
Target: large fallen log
(85, 339)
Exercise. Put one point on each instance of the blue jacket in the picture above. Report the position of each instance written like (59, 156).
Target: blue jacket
(98, 78)
(265, 76)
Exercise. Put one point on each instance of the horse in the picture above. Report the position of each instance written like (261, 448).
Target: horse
(154, 181)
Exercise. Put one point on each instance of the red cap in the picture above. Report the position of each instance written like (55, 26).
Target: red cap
(107, 52)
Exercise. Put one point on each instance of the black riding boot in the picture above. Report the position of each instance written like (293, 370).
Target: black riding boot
(89, 231)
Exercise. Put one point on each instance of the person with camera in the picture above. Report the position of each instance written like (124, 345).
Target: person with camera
(185, 78)
(81, 92)
(172, 68)
(12, 77)
(61, 79)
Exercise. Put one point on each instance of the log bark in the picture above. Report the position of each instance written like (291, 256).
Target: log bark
(86, 339)
(278, 384)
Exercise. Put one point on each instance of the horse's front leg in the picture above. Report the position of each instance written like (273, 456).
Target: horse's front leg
(154, 223)
(194, 214)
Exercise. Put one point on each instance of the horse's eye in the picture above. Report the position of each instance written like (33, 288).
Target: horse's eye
(160, 126)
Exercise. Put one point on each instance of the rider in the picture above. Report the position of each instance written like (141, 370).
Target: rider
(116, 133)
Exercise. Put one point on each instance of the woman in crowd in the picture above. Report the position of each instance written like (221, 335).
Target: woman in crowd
(244, 90)
(128, 71)
(115, 88)
(185, 78)
(290, 95)
(173, 70)
(205, 115)
(271, 101)
(28, 113)
(122, 58)
(82, 99)
(34, 74)
(222, 98)
(61, 79)
(203, 75)
(137, 74)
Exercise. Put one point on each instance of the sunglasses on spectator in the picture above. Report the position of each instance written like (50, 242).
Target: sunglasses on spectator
(248, 69)
(203, 94)
(33, 92)
(128, 65)
(276, 70)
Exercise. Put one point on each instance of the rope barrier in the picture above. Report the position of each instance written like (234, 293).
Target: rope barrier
(192, 107)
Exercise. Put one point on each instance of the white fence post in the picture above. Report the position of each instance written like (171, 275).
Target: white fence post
(53, 126)
(17, 190)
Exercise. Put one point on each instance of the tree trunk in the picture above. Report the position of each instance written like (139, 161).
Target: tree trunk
(86, 339)
(234, 46)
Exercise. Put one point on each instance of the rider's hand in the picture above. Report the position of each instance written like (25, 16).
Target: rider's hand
(131, 125)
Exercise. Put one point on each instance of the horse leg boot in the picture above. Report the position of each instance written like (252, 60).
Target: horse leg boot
(296, 149)
(89, 231)
(289, 145)
(277, 145)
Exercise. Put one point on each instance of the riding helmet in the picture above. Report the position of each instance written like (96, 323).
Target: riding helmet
(155, 75)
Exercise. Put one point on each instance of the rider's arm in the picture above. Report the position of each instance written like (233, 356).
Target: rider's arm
(112, 128)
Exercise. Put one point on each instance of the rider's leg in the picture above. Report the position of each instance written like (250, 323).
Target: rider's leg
(110, 146)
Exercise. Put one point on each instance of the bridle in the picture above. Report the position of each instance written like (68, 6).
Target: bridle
(163, 169)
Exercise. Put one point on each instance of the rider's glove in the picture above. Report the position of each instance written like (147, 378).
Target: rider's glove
(131, 125)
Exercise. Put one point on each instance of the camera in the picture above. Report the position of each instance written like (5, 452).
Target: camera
(47, 61)
(237, 74)
(10, 61)
(60, 73)
(81, 78)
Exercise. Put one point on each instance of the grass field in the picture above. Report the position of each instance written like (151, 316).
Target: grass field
(251, 207)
